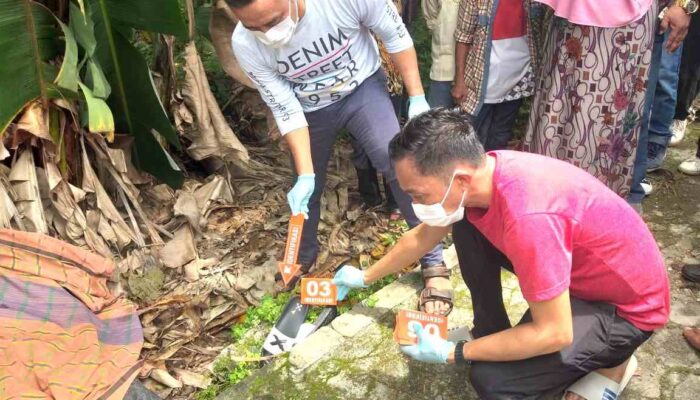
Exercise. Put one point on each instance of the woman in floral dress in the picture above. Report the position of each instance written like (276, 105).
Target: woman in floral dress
(590, 94)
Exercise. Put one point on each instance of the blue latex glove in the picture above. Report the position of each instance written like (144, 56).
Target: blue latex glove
(298, 197)
(417, 105)
(348, 278)
(430, 348)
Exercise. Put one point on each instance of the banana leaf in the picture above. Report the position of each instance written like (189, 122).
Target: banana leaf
(162, 16)
(100, 119)
(30, 36)
(134, 100)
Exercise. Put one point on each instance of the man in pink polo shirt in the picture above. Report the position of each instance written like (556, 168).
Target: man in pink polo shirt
(586, 262)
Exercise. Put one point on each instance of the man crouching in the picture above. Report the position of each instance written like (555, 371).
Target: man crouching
(587, 264)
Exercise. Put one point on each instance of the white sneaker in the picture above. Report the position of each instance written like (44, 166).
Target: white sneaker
(647, 187)
(690, 166)
(677, 131)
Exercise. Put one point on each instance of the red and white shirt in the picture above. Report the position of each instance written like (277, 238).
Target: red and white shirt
(510, 73)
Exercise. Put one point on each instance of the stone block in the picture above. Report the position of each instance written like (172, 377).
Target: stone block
(672, 350)
(396, 293)
(351, 323)
(685, 314)
(688, 389)
(314, 348)
(449, 255)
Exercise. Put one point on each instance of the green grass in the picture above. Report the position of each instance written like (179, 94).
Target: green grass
(266, 313)
(228, 372)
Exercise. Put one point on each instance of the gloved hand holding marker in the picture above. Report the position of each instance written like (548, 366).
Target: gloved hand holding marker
(348, 278)
(431, 348)
(298, 198)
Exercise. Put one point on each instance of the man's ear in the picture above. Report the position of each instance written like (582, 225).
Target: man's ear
(464, 178)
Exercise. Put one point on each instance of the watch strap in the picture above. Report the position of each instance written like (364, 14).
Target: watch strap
(690, 6)
(459, 353)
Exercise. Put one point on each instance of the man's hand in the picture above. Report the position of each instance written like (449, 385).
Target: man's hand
(459, 91)
(430, 348)
(417, 105)
(348, 278)
(678, 21)
(298, 197)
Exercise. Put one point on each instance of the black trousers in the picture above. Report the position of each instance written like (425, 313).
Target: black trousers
(689, 77)
(494, 123)
(602, 339)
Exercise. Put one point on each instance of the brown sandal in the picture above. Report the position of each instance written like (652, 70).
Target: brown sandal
(432, 294)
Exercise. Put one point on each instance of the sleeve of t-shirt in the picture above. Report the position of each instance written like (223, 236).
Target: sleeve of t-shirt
(382, 17)
(431, 10)
(275, 90)
(540, 246)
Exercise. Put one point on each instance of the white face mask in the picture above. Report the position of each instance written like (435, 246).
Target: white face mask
(435, 214)
(282, 33)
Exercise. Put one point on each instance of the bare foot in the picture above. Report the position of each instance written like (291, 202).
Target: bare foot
(437, 307)
(615, 374)
(692, 335)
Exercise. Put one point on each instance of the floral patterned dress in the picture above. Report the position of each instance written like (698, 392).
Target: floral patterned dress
(589, 97)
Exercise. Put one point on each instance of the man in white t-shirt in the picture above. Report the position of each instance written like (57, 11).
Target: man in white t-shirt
(317, 66)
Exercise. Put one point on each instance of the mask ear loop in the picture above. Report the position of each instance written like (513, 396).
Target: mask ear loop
(461, 202)
(296, 7)
(449, 187)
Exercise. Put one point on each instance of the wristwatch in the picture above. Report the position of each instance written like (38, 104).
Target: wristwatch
(690, 6)
(459, 353)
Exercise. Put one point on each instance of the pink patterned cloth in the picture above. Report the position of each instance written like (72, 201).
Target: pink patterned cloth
(589, 97)
(600, 13)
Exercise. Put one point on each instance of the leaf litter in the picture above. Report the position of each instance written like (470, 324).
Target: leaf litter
(194, 259)
(214, 271)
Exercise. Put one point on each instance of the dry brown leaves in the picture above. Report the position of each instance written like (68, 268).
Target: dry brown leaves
(208, 286)
(192, 259)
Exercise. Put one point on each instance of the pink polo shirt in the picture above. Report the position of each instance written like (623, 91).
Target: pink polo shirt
(561, 228)
(601, 13)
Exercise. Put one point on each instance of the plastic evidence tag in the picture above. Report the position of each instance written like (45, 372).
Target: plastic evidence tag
(318, 292)
(406, 320)
(289, 267)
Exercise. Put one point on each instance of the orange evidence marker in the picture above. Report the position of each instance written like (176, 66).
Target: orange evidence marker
(289, 267)
(318, 292)
(406, 320)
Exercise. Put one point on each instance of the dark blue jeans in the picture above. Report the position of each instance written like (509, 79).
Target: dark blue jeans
(440, 94)
(494, 123)
(640, 161)
(368, 115)
(664, 105)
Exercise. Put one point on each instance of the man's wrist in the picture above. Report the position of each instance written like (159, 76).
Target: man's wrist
(416, 93)
(367, 277)
(451, 356)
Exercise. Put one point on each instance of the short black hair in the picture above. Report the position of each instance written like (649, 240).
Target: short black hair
(436, 140)
(238, 3)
